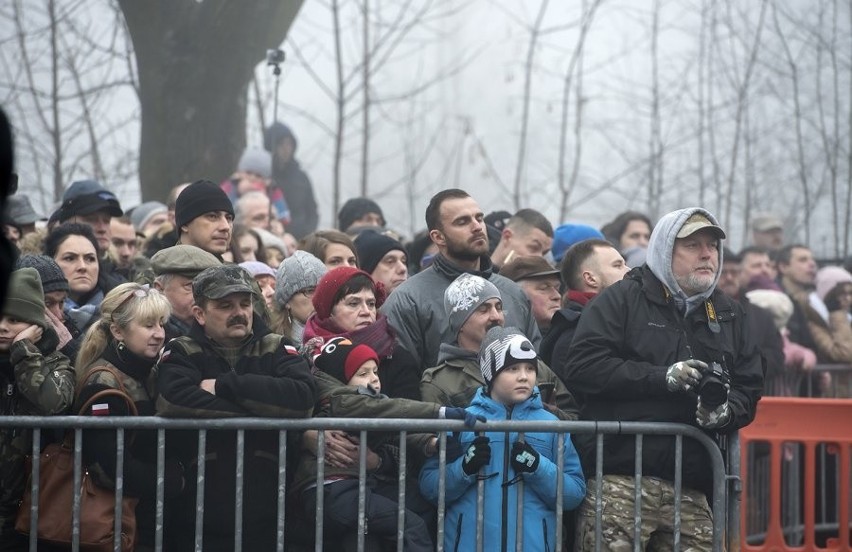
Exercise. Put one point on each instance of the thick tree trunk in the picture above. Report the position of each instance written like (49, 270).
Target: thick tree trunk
(195, 61)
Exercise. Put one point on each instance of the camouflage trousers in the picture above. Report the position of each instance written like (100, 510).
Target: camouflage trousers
(657, 523)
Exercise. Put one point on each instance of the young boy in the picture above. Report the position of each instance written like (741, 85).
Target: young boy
(35, 380)
(508, 363)
(340, 362)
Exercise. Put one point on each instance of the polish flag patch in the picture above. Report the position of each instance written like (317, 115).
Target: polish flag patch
(100, 409)
(289, 349)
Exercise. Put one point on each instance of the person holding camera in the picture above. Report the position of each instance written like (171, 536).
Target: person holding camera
(662, 345)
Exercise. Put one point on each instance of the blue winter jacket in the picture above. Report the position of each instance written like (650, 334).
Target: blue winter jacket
(539, 487)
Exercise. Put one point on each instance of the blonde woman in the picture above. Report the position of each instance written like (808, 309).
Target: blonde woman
(120, 352)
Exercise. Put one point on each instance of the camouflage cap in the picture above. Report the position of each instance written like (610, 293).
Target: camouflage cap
(219, 281)
(186, 260)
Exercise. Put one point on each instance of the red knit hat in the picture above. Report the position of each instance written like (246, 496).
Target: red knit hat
(330, 284)
(342, 358)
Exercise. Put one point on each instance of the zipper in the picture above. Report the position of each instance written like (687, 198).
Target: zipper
(458, 533)
(504, 533)
(544, 534)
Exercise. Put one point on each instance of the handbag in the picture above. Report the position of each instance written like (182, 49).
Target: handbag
(97, 504)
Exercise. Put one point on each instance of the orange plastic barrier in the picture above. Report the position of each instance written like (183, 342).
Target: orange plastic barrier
(793, 437)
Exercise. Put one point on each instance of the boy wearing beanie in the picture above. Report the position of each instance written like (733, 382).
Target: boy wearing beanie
(508, 364)
(36, 380)
(339, 362)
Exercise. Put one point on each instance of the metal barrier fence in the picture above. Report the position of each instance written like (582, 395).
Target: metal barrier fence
(798, 459)
(724, 504)
(829, 381)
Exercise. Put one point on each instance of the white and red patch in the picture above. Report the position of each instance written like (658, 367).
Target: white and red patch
(100, 409)
(290, 350)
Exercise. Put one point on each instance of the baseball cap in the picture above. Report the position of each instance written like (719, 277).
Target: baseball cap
(696, 222)
(764, 223)
(220, 281)
(85, 197)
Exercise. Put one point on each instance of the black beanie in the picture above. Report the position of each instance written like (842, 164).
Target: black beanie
(202, 196)
(25, 300)
(372, 246)
(52, 277)
(356, 208)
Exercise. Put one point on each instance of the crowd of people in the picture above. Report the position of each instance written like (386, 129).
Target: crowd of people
(226, 300)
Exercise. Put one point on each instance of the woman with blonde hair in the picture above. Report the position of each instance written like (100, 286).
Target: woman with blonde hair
(120, 352)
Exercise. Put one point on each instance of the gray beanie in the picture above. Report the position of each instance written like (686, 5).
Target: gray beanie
(504, 347)
(52, 277)
(463, 296)
(300, 270)
(141, 214)
(256, 161)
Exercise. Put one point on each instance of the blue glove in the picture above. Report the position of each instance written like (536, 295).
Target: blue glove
(455, 413)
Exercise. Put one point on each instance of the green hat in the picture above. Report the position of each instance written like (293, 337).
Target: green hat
(186, 260)
(24, 298)
(219, 281)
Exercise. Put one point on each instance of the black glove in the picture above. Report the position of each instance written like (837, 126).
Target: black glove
(455, 413)
(525, 459)
(478, 454)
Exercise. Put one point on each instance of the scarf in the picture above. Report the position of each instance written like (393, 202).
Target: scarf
(378, 335)
(82, 314)
(581, 297)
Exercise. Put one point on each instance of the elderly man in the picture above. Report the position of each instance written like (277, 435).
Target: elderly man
(662, 345)
(174, 268)
(204, 217)
(540, 283)
(231, 365)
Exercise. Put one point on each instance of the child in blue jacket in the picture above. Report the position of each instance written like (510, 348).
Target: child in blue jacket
(508, 363)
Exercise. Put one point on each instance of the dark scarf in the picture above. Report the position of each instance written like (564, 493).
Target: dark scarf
(135, 366)
(378, 335)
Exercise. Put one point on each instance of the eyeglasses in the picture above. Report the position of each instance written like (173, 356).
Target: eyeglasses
(308, 292)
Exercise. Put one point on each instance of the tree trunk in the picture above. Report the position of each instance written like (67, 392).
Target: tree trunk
(195, 62)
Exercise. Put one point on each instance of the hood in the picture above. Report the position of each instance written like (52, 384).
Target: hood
(659, 256)
(452, 352)
(275, 133)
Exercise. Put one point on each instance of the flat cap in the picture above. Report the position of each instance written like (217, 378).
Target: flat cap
(186, 260)
(526, 267)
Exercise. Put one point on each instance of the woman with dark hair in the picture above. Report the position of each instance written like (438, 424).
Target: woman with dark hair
(75, 249)
(333, 248)
(246, 246)
(346, 301)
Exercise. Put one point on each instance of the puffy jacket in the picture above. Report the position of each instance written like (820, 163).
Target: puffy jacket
(416, 308)
(500, 495)
(625, 342)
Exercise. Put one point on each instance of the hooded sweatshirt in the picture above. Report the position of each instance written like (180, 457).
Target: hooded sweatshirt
(659, 257)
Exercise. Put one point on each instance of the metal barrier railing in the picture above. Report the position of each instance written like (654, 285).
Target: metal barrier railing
(823, 381)
(724, 502)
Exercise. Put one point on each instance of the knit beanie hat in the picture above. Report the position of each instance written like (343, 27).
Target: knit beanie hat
(503, 347)
(463, 296)
(257, 268)
(202, 196)
(779, 305)
(24, 298)
(356, 208)
(372, 247)
(52, 277)
(141, 214)
(256, 161)
(342, 358)
(568, 234)
(330, 284)
(829, 277)
(301, 270)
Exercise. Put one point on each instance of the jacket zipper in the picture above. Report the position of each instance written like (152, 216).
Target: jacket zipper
(544, 535)
(504, 534)
(458, 533)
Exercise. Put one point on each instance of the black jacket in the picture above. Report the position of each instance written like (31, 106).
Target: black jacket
(625, 342)
(555, 345)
